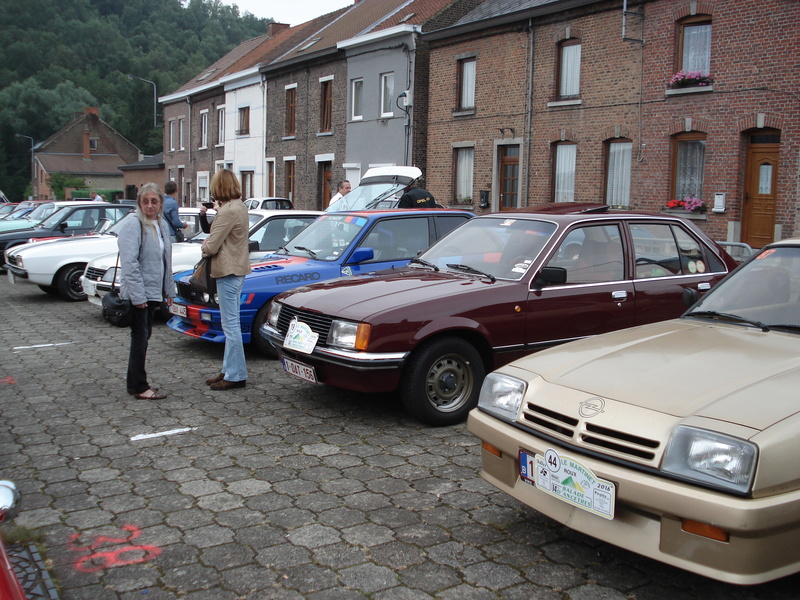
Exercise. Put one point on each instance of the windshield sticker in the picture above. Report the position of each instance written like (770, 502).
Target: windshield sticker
(358, 221)
(508, 222)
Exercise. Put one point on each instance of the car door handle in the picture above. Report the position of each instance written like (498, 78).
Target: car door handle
(619, 296)
(705, 286)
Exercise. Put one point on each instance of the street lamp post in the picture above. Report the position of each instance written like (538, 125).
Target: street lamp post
(155, 96)
(33, 168)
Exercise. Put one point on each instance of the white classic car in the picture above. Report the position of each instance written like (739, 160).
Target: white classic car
(56, 265)
(269, 230)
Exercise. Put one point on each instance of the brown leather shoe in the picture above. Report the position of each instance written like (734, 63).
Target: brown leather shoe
(224, 384)
(211, 380)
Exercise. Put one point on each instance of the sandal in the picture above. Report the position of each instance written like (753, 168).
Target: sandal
(151, 395)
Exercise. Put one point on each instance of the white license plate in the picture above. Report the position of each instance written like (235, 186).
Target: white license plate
(300, 370)
(568, 480)
(88, 286)
(178, 309)
(11, 277)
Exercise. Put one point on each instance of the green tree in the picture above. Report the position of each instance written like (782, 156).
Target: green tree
(61, 181)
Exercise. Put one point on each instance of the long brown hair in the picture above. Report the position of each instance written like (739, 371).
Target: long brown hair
(225, 186)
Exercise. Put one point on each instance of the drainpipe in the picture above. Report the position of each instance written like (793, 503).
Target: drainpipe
(529, 116)
(189, 162)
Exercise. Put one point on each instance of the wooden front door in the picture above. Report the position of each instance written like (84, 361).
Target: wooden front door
(509, 177)
(326, 173)
(760, 194)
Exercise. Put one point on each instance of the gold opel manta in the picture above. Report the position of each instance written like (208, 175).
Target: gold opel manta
(678, 440)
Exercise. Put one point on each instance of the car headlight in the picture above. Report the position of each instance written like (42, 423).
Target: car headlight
(20, 263)
(111, 274)
(711, 458)
(348, 334)
(501, 396)
(273, 314)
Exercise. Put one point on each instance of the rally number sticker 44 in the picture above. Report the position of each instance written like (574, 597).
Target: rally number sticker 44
(568, 480)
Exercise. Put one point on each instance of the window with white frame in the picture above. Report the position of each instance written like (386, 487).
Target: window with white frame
(288, 166)
(357, 99)
(204, 129)
(172, 136)
(326, 104)
(387, 94)
(466, 83)
(464, 165)
(618, 172)
(220, 125)
(695, 44)
(182, 133)
(564, 172)
(569, 70)
(202, 186)
(290, 125)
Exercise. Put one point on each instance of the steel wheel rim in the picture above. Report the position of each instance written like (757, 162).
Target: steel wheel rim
(449, 383)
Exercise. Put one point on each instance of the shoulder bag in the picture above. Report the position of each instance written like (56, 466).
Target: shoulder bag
(116, 310)
(201, 279)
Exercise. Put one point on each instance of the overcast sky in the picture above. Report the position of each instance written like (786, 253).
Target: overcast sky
(292, 12)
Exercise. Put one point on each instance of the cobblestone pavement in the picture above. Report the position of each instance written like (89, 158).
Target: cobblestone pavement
(279, 490)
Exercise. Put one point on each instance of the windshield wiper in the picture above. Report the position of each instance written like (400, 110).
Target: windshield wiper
(468, 269)
(786, 327)
(304, 249)
(424, 263)
(712, 314)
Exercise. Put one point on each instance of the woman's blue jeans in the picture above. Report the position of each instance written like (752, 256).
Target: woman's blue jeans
(229, 290)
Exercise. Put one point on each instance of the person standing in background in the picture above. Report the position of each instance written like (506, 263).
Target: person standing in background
(227, 244)
(342, 189)
(171, 212)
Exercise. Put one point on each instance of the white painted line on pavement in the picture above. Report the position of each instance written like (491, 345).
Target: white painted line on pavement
(147, 436)
(42, 346)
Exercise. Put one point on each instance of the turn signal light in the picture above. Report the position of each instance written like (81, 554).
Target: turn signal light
(705, 530)
(362, 336)
(492, 449)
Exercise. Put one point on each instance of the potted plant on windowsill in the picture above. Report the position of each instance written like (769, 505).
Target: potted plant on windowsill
(689, 79)
(691, 205)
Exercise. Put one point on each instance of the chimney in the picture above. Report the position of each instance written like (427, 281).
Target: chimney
(91, 110)
(274, 28)
(86, 149)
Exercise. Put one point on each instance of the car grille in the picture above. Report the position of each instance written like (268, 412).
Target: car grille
(588, 435)
(11, 259)
(320, 324)
(95, 273)
(192, 295)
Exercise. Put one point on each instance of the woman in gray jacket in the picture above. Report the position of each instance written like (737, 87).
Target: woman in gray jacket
(145, 254)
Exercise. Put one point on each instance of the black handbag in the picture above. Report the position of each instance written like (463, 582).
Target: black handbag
(116, 310)
(201, 279)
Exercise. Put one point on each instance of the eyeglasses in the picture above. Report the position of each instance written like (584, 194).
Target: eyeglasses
(150, 201)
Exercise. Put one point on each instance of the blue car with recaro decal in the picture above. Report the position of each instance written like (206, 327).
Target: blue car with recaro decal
(336, 245)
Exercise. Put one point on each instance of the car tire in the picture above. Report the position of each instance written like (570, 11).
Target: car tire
(68, 281)
(49, 289)
(442, 381)
(256, 339)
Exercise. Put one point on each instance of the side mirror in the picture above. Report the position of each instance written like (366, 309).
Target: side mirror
(690, 296)
(361, 255)
(62, 226)
(551, 275)
(252, 246)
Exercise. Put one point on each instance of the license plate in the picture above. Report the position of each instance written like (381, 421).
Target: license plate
(88, 286)
(300, 370)
(570, 481)
(178, 309)
(11, 277)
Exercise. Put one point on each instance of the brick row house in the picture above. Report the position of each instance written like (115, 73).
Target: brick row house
(508, 103)
(633, 105)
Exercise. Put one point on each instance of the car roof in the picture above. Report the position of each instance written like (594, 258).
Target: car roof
(787, 242)
(262, 212)
(402, 211)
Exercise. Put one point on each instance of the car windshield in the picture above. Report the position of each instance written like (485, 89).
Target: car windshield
(762, 293)
(52, 218)
(41, 212)
(198, 238)
(369, 196)
(495, 247)
(327, 238)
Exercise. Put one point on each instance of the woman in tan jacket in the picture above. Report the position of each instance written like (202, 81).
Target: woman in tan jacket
(227, 244)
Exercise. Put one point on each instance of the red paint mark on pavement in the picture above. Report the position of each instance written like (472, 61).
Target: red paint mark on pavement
(7, 380)
(127, 555)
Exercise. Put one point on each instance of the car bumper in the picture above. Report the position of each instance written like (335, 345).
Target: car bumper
(203, 322)
(15, 274)
(95, 290)
(649, 512)
(369, 372)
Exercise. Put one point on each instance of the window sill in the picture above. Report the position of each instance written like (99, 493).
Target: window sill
(692, 216)
(558, 103)
(464, 112)
(324, 133)
(699, 89)
(288, 137)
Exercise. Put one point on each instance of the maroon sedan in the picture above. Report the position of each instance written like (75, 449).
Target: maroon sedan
(498, 287)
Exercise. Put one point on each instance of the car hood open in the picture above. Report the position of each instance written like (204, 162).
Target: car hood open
(684, 367)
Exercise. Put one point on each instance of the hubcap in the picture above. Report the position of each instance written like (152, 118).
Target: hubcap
(449, 383)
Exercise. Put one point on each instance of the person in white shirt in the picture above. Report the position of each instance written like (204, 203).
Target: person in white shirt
(342, 189)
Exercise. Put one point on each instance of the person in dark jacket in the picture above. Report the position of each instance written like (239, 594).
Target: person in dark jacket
(417, 197)
(145, 255)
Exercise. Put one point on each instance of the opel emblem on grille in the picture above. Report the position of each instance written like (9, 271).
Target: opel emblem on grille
(591, 407)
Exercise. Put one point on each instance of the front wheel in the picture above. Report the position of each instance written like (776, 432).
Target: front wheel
(262, 345)
(442, 381)
(49, 289)
(69, 283)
